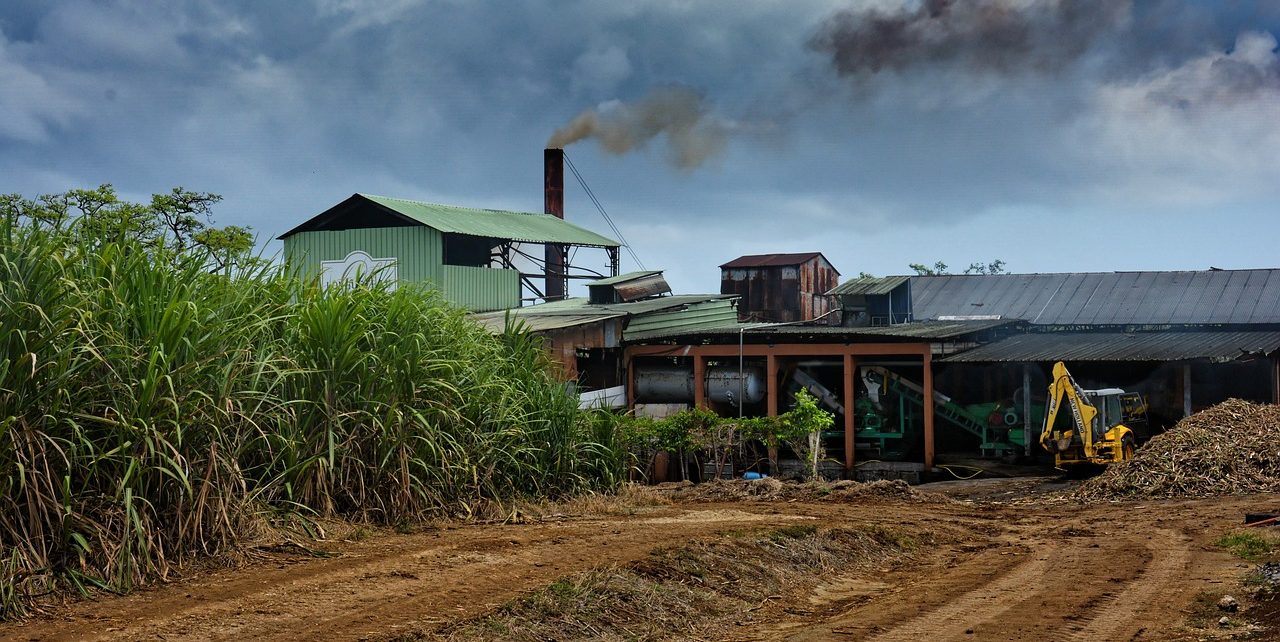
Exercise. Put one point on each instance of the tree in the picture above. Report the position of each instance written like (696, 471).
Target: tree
(940, 268)
(174, 226)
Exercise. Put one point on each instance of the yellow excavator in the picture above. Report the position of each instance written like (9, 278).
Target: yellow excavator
(1096, 433)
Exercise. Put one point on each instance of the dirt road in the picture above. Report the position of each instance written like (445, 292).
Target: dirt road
(1053, 571)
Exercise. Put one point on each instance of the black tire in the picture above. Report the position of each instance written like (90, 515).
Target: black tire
(1128, 445)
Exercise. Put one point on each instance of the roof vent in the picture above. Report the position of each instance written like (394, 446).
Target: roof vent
(628, 287)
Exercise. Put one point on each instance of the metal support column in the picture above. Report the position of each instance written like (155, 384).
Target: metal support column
(1026, 407)
(1275, 378)
(850, 370)
(630, 364)
(928, 411)
(699, 381)
(615, 264)
(771, 379)
(1186, 390)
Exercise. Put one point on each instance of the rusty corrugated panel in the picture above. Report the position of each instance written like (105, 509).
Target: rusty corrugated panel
(643, 287)
(771, 260)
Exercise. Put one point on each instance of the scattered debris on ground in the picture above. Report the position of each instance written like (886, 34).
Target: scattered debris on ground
(1232, 448)
(770, 489)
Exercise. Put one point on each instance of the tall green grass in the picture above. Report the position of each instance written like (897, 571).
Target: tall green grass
(151, 410)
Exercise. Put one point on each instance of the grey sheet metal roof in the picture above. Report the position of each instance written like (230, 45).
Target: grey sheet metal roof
(1216, 345)
(1105, 298)
(926, 330)
(868, 285)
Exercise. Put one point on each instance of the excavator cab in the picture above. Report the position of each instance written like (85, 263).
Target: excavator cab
(1096, 430)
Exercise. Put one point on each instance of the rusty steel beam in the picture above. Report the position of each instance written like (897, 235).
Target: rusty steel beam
(784, 350)
(928, 411)
(771, 371)
(850, 368)
(699, 382)
(630, 365)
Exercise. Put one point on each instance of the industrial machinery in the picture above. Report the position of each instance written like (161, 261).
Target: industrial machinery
(889, 413)
(1095, 432)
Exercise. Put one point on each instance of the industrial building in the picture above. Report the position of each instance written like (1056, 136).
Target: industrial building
(480, 259)
(914, 367)
(982, 346)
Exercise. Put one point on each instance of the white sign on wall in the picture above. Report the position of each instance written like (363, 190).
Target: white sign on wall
(358, 265)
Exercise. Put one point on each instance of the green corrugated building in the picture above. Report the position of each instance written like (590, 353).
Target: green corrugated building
(473, 256)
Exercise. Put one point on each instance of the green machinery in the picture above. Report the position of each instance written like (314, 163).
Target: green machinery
(890, 416)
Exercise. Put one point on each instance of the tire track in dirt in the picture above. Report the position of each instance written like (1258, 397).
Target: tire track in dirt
(952, 619)
(384, 587)
(1171, 554)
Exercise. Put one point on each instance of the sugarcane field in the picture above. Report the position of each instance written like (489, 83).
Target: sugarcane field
(866, 320)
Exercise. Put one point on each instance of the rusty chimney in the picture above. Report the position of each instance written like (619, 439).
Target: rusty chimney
(556, 285)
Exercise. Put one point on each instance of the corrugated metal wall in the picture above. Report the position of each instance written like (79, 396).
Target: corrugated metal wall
(419, 254)
(781, 293)
(481, 289)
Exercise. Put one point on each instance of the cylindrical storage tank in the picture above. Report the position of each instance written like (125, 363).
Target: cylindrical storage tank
(674, 384)
(723, 385)
(668, 384)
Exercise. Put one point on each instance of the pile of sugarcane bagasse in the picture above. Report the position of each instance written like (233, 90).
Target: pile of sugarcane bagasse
(1228, 449)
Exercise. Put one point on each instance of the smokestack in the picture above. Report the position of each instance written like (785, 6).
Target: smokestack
(555, 285)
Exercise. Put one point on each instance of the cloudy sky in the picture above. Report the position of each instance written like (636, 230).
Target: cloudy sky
(1072, 136)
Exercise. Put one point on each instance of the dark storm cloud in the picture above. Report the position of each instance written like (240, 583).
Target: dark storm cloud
(286, 108)
(998, 35)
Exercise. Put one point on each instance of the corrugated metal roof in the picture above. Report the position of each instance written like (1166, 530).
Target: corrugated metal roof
(690, 318)
(580, 311)
(623, 278)
(1122, 346)
(772, 260)
(497, 323)
(925, 330)
(868, 285)
(500, 224)
(1108, 298)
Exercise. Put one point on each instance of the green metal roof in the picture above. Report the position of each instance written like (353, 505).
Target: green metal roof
(580, 311)
(516, 226)
(623, 278)
(868, 285)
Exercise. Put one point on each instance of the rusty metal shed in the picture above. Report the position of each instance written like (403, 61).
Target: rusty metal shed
(780, 287)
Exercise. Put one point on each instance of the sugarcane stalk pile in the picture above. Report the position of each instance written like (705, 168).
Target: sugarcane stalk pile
(1231, 448)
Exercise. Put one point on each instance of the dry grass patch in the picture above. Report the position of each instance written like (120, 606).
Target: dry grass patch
(694, 590)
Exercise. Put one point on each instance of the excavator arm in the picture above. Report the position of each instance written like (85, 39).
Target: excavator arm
(1083, 415)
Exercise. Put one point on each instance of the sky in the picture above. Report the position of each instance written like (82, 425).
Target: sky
(1081, 135)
